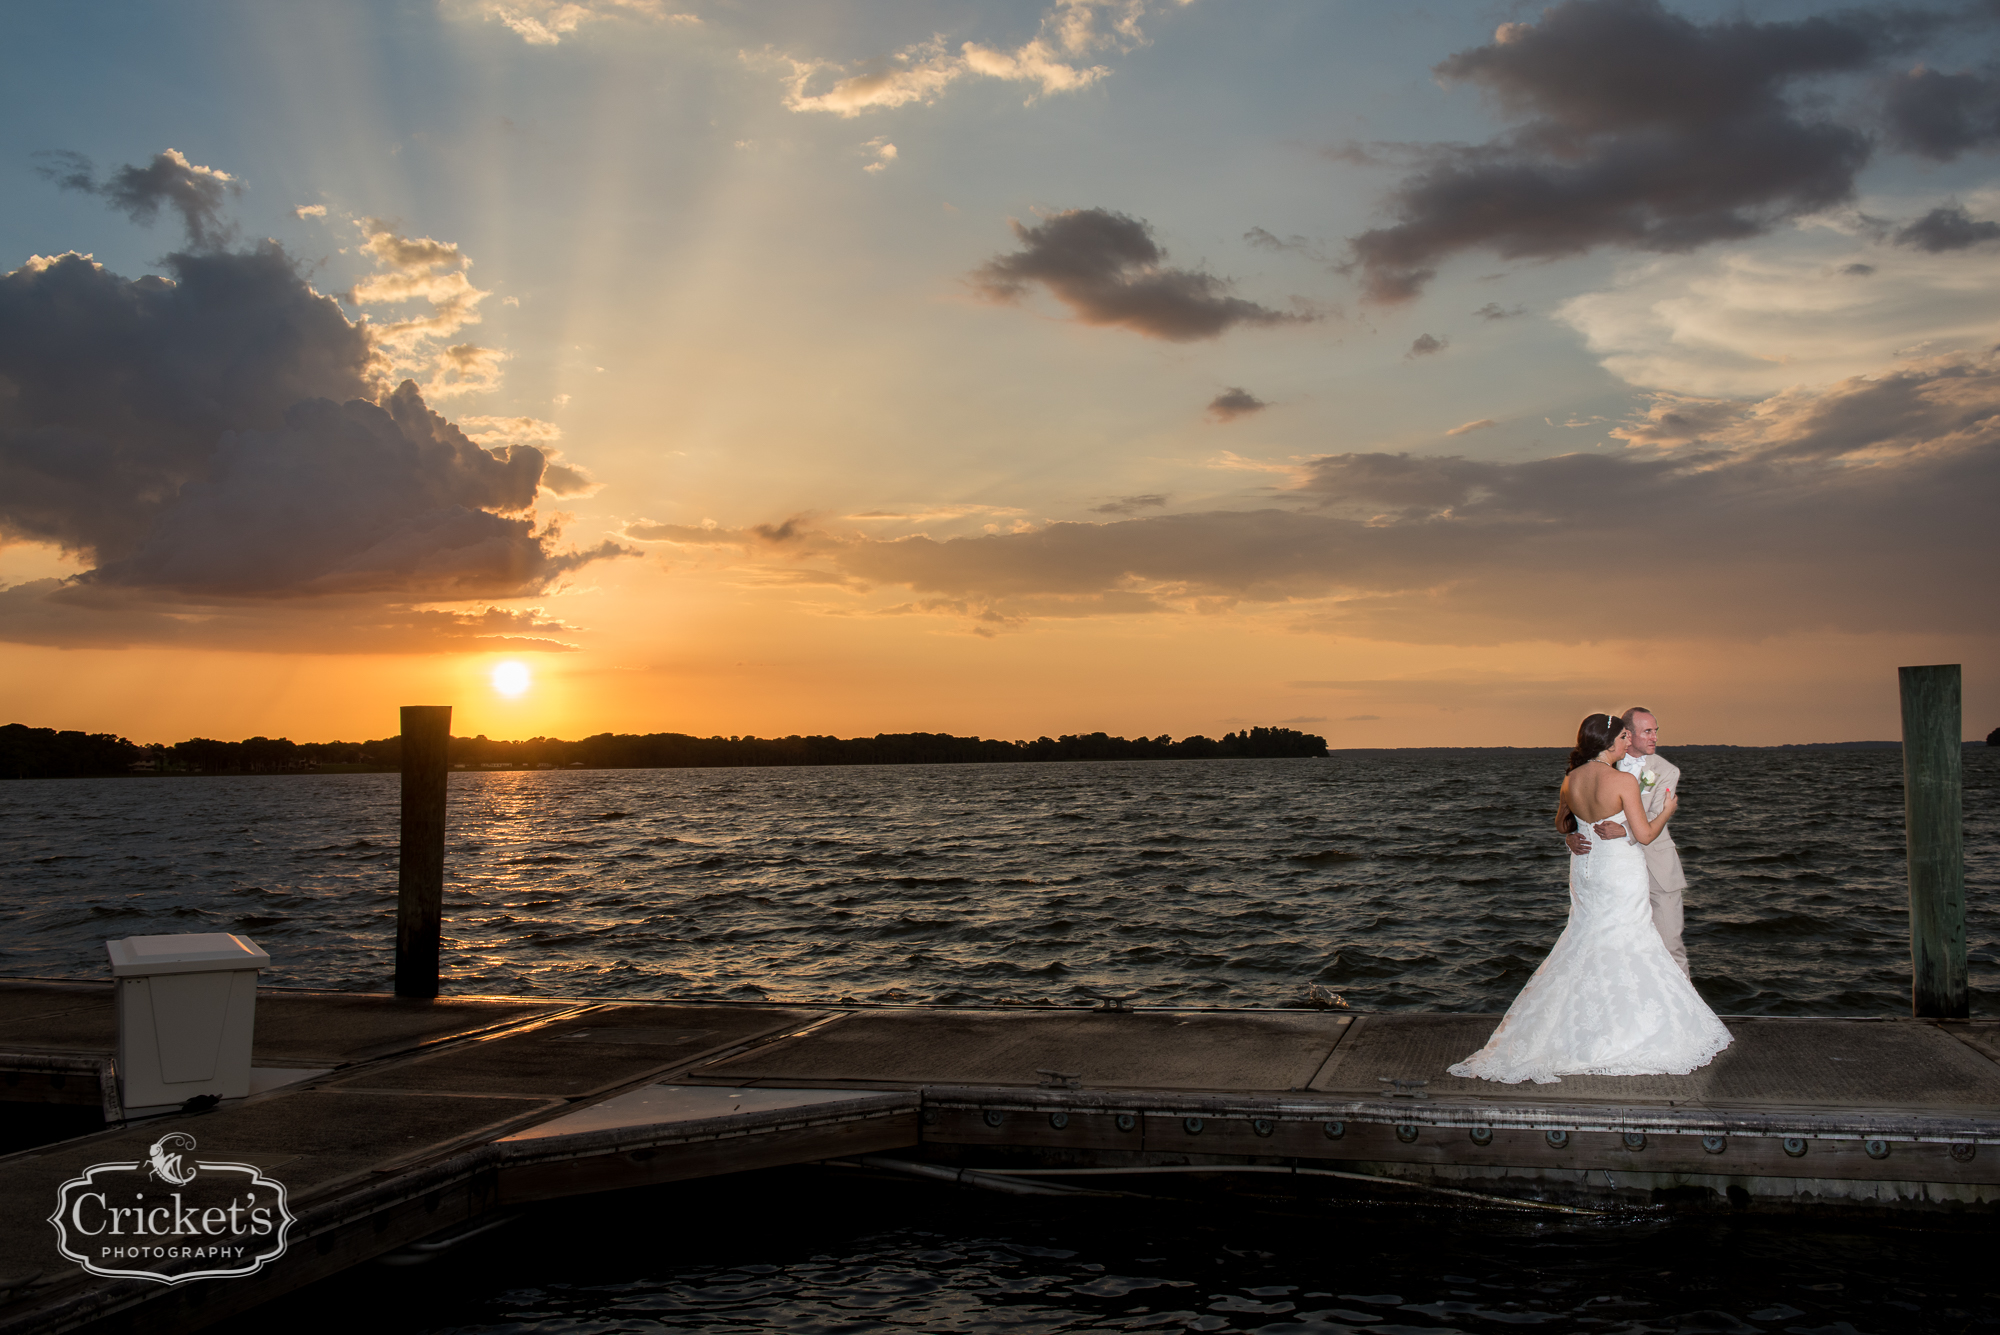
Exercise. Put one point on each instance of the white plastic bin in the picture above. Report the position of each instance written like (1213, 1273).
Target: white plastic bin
(187, 1006)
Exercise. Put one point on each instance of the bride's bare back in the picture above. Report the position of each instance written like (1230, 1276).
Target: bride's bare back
(1595, 786)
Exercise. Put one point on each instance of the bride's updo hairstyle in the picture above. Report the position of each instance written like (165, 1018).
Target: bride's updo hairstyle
(1594, 736)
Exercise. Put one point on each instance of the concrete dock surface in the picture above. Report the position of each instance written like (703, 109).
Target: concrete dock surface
(397, 1124)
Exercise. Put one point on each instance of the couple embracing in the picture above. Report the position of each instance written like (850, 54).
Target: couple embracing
(1613, 997)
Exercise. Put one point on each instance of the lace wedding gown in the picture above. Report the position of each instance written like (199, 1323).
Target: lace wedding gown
(1609, 999)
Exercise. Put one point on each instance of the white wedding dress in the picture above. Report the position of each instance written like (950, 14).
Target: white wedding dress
(1609, 999)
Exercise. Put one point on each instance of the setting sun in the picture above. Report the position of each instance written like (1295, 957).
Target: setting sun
(510, 679)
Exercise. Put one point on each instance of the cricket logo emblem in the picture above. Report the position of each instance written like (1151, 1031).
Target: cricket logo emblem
(165, 1156)
(172, 1218)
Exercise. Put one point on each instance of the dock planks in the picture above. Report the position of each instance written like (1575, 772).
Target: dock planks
(912, 1048)
(393, 1120)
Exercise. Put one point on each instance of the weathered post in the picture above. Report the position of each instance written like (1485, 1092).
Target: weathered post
(1933, 814)
(420, 881)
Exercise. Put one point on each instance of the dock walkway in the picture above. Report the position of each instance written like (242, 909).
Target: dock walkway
(396, 1124)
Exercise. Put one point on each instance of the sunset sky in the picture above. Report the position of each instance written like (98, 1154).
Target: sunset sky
(1408, 374)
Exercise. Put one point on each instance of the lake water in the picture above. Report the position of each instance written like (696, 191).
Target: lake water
(1404, 881)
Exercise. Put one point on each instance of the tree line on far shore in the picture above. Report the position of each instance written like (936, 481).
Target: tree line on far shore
(44, 753)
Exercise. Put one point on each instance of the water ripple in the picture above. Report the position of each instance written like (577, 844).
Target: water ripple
(1412, 881)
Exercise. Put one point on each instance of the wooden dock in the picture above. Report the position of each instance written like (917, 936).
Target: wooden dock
(399, 1123)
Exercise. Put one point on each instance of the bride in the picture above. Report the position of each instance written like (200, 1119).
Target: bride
(1609, 999)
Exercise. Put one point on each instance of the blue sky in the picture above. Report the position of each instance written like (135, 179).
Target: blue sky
(851, 425)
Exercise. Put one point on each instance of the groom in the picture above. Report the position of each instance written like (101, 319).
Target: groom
(1663, 861)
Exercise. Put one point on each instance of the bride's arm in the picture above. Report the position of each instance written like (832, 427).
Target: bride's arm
(1643, 830)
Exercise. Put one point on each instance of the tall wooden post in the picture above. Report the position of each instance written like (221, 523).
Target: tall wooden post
(420, 882)
(1933, 814)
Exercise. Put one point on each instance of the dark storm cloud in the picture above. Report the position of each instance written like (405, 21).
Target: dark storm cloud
(198, 194)
(114, 391)
(215, 433)
(1233, 403)
(1108, 270)
(1846, 508)
(1949, 227)
(1636, 128)
(1940, 116)
(353, 498)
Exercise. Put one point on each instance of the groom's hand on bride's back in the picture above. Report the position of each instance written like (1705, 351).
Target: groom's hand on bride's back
(1579, 842)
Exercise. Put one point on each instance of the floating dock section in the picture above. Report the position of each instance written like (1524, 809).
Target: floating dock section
(398, 1125)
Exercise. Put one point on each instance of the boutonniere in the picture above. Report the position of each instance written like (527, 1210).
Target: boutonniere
(1648, 780)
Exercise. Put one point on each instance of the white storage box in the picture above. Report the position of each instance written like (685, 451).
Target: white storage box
(187, 1006)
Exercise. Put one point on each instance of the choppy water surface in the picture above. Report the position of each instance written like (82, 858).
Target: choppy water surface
(1404, 881)
(1414, 881)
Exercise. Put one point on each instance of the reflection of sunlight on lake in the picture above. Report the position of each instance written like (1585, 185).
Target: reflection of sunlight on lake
(510, 679)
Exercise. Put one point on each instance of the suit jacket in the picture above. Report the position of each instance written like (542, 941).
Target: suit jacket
(1663, 860)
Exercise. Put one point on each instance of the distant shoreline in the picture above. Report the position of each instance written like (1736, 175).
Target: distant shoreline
(1332, 753)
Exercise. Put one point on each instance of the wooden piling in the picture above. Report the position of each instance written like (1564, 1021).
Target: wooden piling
(1933, 812)
(420, 879)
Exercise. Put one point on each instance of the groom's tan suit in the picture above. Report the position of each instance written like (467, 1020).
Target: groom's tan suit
(1663, 860)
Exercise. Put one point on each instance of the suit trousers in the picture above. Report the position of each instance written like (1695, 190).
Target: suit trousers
(1668, 920)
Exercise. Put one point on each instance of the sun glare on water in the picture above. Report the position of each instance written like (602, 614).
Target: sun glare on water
(510, 679)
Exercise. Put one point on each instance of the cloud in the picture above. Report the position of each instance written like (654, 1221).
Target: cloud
(1362, 718)
(1493, 310)
(558, 478)
(198, 194)
(547, 22)
(1050, 62)
(1948, 227)
(1127, 505)
(215, 436)
(353, 498)
(1787, 311)
(883, 152)
(707, 535)
(62, 614)
(1677, 419)
(304, 211)
(119, 390)
(510, 430)
(1425, 345)
(1940, 116)
(1635, 128)
(929, 513)
(1108, 270)
(915, 74)
(1845, 508)
(1467, 428)
(1233, 403)
(1264, 240)
(424, 269)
